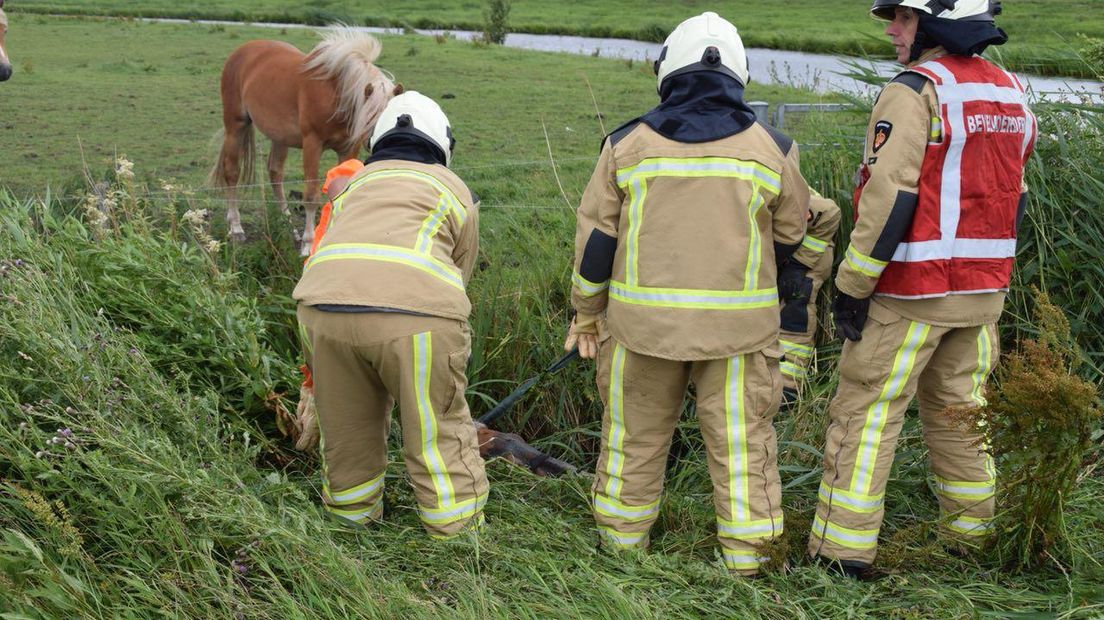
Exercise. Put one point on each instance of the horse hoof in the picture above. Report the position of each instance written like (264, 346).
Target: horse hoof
(238, 236)
(304, 251)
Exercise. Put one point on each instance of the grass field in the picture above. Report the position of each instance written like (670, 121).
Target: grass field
(1044, 32)
(179, 499)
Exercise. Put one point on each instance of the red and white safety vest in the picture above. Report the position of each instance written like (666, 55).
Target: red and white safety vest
(963, 235)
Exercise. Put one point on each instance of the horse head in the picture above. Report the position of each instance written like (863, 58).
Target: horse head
(5, 64)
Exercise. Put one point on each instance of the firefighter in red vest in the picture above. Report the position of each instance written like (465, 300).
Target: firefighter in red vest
(938, 202)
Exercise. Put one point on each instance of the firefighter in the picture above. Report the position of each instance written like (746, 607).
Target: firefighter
(799, 284)
(689, 212)
(939, 201)
(384, 317)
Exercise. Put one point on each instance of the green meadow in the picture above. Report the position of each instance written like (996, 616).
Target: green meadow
(1045, 33)
(169, 364)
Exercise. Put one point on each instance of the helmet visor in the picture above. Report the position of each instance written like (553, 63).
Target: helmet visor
(885, 9)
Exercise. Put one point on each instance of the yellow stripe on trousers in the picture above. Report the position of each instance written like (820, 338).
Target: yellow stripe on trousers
(984, 366)
(877, 415)
(736, 436)
(427, 418)
(615, 443)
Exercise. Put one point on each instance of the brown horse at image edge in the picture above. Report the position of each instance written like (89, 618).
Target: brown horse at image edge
(328, 99)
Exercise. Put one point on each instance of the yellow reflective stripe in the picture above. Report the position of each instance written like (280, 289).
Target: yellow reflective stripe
(845, 537)
(453, 513)
(739, 495)
(854, 502)
(966, 490)
(613, 507)
(791, 369)
(697, 167)
(750, 530)
(984, 366)
(971, 526)
(864, 264)
(698, 299)
(586, 287)
(755, 243)
(455, 204)
(812, 243)
(621, 539)
(359, 493)
(478, 525)
(638, 191)
(388, 254)
(795, 349)
(878, 414)
(936, 129)
(427, 421)
(615, 442)
(432, 224)
(742, 560)
(372, 513)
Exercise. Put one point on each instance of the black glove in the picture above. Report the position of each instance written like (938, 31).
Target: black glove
(793, 285)
(849, 315)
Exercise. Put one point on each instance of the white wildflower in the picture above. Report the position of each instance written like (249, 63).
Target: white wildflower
(124, 168)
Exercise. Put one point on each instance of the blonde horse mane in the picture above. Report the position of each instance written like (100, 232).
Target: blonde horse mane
(3, 18)
(348, 56)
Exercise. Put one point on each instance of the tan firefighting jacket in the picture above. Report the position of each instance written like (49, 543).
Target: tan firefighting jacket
(403, 235)
(676, 241)
(910, 108)
(824, 222)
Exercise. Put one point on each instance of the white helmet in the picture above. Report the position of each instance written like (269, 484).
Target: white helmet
(957, 10)
(414, 113)
(707, 42)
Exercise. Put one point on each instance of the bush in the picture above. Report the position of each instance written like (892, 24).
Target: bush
(495, 21)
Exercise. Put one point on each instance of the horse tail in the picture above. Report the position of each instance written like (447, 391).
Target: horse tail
(347, 57)
(246, 147)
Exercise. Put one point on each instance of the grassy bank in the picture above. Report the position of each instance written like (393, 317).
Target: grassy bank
(166, 364)
(1044, 32)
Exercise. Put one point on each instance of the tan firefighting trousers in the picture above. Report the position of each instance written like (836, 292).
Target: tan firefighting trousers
(736, 402)
(799, 345)
(895, 360)
(362, 363)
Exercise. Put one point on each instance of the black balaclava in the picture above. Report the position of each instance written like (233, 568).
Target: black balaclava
(700, 106)
(959, 37)
(407, 147)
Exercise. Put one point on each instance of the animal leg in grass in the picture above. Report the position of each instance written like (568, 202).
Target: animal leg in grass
(277, 157)
(312, 155)
(231, 174)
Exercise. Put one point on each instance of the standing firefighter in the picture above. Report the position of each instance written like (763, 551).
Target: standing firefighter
(383, 310)
(938, 204)
(799, 282)
(690, 210)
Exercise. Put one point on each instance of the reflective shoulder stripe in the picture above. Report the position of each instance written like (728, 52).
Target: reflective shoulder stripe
(699, 299)
(389, 254)
(455, 205)
(586, 287)
(702, 167)
(864, 264)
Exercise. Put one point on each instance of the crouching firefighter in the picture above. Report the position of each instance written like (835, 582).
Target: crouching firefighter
(383, 314)
(939, 201)
(688, 213)
(799, 284)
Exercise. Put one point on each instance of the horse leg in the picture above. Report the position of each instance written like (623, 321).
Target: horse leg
(276, 159)
(312, 157)
(231, 174)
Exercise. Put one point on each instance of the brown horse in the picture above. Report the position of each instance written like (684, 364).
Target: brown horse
(5, 64)
(328, 99)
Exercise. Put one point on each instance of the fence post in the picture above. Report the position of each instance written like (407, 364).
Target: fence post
(761, 109)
